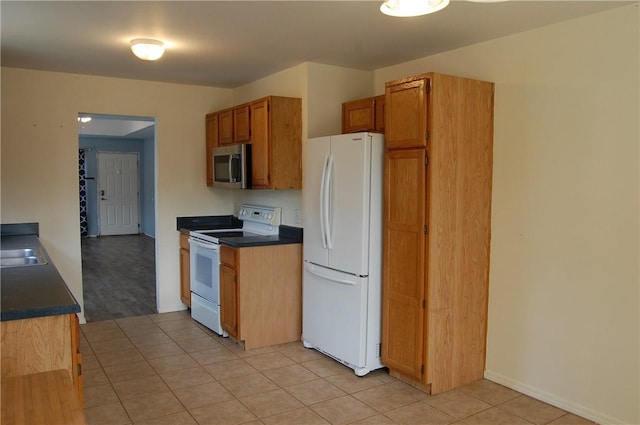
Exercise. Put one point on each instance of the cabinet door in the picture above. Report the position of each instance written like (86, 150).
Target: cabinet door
(358, 115)
(379, 127)
(403, 304)
(185, 287)
(406, 114)
(241, 126)
(260, 141)
(225, 127)
(76, 358)
(229, 300)
(212, 142)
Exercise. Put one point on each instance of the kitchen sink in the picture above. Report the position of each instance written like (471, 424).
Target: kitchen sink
(21, 257)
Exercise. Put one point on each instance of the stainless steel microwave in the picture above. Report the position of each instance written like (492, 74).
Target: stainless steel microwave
(231, 166)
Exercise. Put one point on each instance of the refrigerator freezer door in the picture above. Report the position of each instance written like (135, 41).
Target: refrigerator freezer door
(315, 157)
(334, 314)
(349, 203)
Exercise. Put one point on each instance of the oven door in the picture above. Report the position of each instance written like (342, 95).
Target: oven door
(205, 270)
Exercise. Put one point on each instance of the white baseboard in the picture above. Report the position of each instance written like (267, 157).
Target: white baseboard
(552, 399)
(171, 308)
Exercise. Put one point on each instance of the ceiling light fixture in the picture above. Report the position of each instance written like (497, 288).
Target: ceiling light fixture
(84, 119)
(147, 48)
(406, 8)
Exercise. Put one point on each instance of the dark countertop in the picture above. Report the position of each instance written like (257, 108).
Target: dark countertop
(33, 291)
(207, 222)
(287, 234)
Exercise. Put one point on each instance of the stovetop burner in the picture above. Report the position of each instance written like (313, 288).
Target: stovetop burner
(257, 221)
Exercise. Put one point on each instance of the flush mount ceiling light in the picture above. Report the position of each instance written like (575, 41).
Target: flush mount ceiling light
(147, 48)
(406, 8)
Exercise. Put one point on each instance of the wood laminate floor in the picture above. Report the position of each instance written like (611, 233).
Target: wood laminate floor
(118, 275)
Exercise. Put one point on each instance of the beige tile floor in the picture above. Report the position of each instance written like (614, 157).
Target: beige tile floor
(165, 369)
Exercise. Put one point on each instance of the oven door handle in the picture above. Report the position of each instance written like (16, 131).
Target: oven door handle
(205, 245)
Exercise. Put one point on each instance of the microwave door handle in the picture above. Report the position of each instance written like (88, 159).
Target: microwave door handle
(231, 176)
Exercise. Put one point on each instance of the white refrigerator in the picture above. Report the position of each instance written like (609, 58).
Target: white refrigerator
(342, 220)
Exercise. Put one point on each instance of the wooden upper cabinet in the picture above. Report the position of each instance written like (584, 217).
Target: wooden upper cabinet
(233, 126)
(380, 102)
(404, 261)
(212, 142)
(273, 127)
(225, 127)
(276, 143)
(241, 126)
(260, 158)
(405, 113)
(363, 115)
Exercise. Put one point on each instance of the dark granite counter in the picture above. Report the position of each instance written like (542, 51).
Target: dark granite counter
(32, 291)
(208, 222)
(287, 234)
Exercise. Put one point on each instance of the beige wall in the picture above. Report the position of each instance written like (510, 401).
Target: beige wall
(564, 284)
(564, 289)
(40, 160)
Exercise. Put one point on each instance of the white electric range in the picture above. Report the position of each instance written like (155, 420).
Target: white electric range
(205, 260)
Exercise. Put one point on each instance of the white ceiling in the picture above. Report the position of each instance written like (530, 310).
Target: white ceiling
(230, 43)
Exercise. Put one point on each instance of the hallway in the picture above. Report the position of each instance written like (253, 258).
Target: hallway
(118, 275)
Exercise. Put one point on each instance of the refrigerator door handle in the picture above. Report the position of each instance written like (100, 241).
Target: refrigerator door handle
(323, 183)
(327, 203)
(318, 272)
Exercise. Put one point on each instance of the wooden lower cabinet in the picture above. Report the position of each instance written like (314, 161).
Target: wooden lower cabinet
(261, 294)
(185, 269)
(229, 290)
(437, 228)
(43, 344)
(404, 260)
(40, 398)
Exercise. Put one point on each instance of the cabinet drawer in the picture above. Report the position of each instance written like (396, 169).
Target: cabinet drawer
(228, 256)
(184, 241)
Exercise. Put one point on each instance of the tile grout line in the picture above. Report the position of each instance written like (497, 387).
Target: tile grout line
(281, 350)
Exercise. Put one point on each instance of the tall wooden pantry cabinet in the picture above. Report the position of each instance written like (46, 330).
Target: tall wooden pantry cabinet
(437, 225)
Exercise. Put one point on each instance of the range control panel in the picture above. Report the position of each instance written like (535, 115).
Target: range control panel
(260, 214)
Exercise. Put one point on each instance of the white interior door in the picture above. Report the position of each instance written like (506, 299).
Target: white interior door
(118, 193)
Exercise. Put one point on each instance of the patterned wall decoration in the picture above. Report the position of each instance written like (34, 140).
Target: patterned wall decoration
(84, 225)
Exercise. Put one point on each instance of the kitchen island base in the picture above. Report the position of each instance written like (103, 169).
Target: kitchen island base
(261, 294)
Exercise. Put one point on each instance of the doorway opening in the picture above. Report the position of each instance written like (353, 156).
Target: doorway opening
(117, 215)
